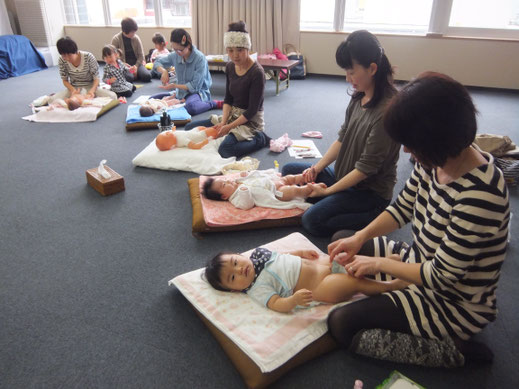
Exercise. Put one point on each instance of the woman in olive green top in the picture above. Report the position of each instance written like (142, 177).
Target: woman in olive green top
(361, 184)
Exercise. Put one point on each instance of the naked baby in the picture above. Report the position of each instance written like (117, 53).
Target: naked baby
(195, 138)
(152, 106)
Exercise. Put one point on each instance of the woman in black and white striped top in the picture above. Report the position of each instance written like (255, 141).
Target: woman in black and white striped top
(78, 71)
(457, 202)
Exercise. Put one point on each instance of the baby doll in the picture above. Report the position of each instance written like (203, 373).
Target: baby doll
(282, 281)
(263, 188)
(195, 138)
(152, 106)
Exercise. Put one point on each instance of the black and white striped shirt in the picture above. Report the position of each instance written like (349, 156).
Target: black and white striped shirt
(84, 74)
(460, 233)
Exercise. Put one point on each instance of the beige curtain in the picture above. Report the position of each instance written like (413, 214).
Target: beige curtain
(271, 23)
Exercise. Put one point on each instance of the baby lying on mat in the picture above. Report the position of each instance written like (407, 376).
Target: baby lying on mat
(151, 106)
(78, 100)
(195, 138)
(282, 281)
(263, 188)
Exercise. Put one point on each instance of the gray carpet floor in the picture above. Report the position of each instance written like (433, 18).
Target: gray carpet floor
(84, 299)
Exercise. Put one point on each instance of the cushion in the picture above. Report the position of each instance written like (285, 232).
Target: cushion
(261, 343)
(82, 114)
(204, 161)
(199, 225)
(224, 213)
(250, 372)
(134, 121)
(108, 107)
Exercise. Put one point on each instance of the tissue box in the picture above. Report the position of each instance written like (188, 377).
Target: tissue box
(105, 186)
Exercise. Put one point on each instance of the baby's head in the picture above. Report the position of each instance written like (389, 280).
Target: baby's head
(166, 140)
(159, 41)
(146, 111)
(230, 272)
(220, 188)
(73, 103)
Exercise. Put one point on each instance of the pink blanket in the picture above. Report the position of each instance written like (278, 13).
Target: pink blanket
(269, 338)
(223, 213)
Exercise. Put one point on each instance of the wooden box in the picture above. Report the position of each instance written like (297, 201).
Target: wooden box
(105, 186)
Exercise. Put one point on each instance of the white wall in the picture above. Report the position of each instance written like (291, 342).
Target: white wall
(475, 62)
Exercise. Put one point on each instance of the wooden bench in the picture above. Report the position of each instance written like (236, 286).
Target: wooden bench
(276, 65)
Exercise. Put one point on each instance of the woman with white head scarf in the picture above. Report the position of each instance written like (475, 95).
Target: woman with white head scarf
(242, 119)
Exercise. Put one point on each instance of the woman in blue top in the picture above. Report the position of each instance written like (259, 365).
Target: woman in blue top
(193, 77)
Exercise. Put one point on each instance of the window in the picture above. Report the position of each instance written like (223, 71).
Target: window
(135, 9)
(500, 14)
(497, 18)
(171, 13)
(410, 16)
(474, 18)
(317, 15)
(83, 12)
(176, 13)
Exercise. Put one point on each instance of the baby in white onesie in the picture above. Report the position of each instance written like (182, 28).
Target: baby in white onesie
(262, 188)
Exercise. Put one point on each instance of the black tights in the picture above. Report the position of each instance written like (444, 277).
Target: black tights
(127, 93)
(372, 312)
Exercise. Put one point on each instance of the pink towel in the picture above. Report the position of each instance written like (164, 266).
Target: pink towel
(223, 213)
(312, 134)
(280, 144)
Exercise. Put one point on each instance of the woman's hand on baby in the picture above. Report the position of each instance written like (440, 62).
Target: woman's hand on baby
(342, 250)
(222, 129)
(303, 297)
(112, 80)
(318, 190)
(362, 265)
(310, 174)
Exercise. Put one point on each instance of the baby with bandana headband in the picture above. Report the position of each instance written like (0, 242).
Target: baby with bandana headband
(282, 281)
